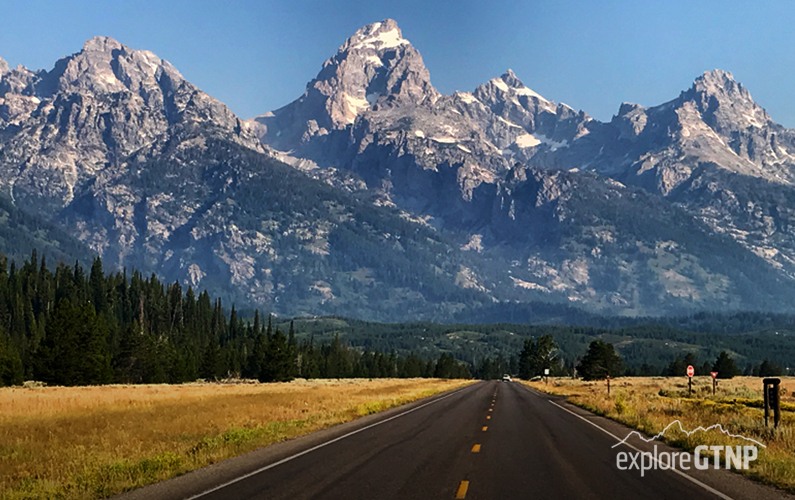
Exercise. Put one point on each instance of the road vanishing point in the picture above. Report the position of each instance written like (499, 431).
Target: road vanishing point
(489, 440)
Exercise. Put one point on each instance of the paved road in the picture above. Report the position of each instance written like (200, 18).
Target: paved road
(492, 440)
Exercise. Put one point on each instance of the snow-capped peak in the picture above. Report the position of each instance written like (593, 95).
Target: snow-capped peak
(377, 36)
(510, 83)
(376, 67)
(3, 66)
(507, 88)
(510, 78)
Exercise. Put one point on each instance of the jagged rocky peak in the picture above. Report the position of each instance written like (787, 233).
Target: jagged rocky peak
(508, 87)
(374, 68)
(516, 86)
(18, 80)
(16, 95)
(375, 65)
(92, 111)
(719, 82)
(105, 65)
(724, 103)
(631, 120)
(381, 35)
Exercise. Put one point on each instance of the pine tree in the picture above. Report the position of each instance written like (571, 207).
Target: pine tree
(97, 285)
(725, 366)
(211, 368)
(279, 363)
(256, 358)
(770, 369)
(11, 368)
(538, 355)
(292, 350)
(600, 361)
(95, 356)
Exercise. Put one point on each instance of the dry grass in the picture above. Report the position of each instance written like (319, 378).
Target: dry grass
(650, 403)
(86, 442)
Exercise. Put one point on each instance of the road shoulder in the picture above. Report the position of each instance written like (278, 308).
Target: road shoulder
(731, 484)
(207, 478)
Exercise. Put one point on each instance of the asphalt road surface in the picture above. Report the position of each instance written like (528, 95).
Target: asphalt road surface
(492, 440)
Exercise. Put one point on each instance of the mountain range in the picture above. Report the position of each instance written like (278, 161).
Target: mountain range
(376, 196)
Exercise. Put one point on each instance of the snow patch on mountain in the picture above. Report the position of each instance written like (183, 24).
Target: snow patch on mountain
(474, 244)
(529, 285)
(445, 139)
(527, 141)
(378, 38)
(467, 97)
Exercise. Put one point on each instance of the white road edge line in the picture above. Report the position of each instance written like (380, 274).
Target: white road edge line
(321, 445)
(675, 471)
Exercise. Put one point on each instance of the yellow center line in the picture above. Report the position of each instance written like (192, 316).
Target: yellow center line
(488, 417)
(485, 428)
(462, 490)
(476, 448)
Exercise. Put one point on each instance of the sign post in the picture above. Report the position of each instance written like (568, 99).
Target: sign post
(714, 381)
(546, 375)
(772, 399)
(690, 372)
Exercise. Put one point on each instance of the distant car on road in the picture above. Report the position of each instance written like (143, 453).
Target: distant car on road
(506, 378)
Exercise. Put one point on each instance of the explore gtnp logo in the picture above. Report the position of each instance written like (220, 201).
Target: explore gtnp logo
(703, 457)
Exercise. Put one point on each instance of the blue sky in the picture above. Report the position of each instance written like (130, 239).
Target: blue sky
(258, 55)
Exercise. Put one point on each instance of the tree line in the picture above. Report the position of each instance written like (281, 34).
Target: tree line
(69, 326)
(540, 356)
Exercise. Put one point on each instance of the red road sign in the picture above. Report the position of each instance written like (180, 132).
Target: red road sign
(690, 370)
(714, 374)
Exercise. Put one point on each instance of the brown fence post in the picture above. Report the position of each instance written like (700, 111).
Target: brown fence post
(770, 387)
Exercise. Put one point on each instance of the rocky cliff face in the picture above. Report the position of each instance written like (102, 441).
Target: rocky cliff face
(374, 69)
(398, 200)
(713, 151)
(116, 148)
(716, 121)
(461, 163)
(91, 112)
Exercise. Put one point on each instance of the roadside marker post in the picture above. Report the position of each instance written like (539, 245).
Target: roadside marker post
(772, 400)
(690, 372)
(714, 381)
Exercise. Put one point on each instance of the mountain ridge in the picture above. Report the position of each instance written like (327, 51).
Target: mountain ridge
(398, 199)
(472, 141)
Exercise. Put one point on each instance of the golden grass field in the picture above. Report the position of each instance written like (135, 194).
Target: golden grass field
(88, 442)
(651, 403)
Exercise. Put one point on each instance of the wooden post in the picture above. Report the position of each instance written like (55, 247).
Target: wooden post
(608, 385)
(766, 398)
(772, 400)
